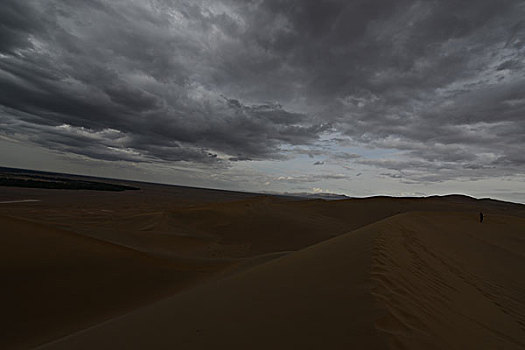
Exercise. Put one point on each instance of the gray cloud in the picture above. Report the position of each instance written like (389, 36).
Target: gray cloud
(145, 71)
(214, 82)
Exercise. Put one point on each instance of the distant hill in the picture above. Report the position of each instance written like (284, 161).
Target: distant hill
(306, 195)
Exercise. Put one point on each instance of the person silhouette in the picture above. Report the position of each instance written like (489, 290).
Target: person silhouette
(480, 217)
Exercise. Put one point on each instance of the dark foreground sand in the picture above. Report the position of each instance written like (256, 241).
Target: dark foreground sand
(260, 272)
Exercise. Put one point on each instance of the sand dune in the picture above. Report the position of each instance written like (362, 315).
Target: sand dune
(167, 267)
(417, 280)
(448, 282)
(20, 201)
(171, 226)
(56, 282)
(316, 297)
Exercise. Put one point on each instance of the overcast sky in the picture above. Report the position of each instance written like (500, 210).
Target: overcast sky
(360, 97)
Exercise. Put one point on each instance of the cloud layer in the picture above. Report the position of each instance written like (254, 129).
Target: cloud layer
(216, 82)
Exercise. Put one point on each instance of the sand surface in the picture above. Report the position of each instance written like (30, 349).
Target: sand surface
(195, 269)
(20, 201)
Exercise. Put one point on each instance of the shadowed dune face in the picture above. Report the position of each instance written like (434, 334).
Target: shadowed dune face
(358, 272)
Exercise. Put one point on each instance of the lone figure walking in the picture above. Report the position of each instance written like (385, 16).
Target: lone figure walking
(480, 217)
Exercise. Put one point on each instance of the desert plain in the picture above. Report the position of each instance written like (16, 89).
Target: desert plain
(170, 267)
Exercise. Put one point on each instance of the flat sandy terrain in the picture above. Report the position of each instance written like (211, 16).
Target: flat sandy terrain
(171, 267)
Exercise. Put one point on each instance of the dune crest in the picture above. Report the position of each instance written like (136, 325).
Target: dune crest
(249, 271)
(416, 280)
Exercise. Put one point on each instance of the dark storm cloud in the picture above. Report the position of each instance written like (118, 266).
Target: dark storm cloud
(145, 70)
(220, 81)
(16, 22)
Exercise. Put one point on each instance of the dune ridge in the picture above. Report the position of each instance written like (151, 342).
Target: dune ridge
(404, 282)
(260, 307)
(245, 270)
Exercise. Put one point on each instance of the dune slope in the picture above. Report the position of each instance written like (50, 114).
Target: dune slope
(415, 280)
(56, 282)
(449, 282)
(317, 297)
